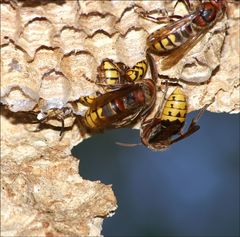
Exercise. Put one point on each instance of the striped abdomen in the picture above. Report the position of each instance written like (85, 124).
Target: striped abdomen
(109, 73)
(87, 100)
(166, 42)
(179, 32)
(174, 114)
(175, 107)
(114, 111)
(137, 72)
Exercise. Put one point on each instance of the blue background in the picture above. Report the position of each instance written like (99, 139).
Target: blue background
(192, 189)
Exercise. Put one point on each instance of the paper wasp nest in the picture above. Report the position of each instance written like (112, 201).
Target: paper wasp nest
(48, 49)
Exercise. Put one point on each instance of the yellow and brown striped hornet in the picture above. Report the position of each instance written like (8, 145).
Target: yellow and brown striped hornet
(158, 133)
(120, 107)
(113, 74)
(137, 72)
(177, 37)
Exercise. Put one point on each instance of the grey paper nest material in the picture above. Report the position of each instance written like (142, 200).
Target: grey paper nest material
(48, 48)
